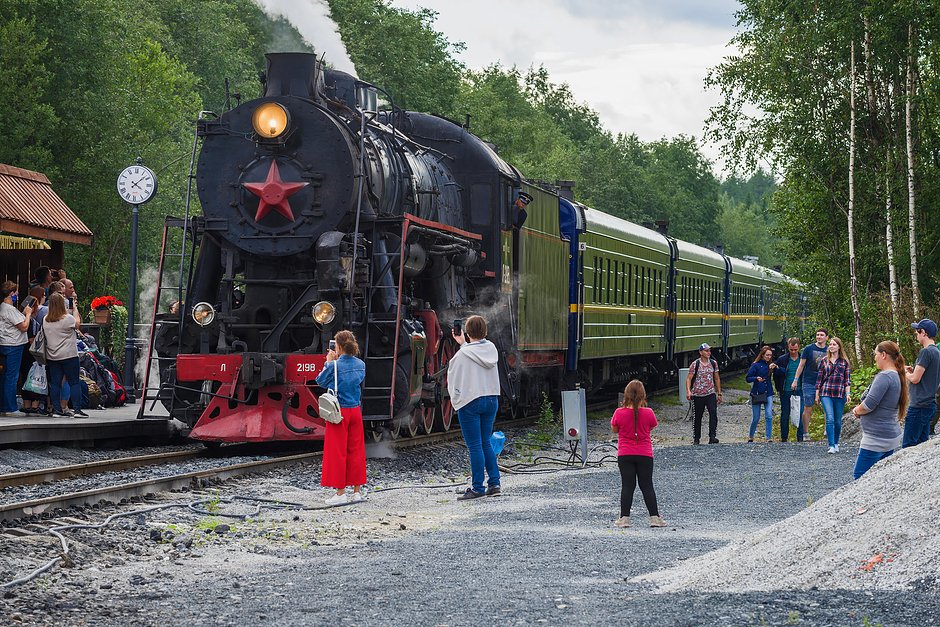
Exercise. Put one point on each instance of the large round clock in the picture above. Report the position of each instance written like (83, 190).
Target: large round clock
(137, 184)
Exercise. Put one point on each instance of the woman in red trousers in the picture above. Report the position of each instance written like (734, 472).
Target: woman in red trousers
(344, 445)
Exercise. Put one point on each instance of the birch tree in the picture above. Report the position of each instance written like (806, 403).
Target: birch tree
(909, 135)
(853, 277)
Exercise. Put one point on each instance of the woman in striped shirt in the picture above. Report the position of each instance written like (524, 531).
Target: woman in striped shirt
(832, 390)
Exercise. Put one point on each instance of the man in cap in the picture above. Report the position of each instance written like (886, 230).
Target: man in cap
(923, 377)
(703, 388)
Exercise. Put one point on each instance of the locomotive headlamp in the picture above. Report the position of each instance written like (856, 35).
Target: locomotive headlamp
(324, 312)
(203, 314)
(270, 120)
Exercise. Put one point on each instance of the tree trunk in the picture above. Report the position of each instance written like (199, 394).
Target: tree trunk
(911, 221)
(851, 217)
(889, 240)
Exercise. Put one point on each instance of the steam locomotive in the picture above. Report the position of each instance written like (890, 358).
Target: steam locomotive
(322, 213)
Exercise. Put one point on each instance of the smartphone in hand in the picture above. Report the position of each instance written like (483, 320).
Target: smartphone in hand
(333, 345)
(458, 326)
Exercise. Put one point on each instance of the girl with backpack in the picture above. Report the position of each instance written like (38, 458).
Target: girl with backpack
(632, 422)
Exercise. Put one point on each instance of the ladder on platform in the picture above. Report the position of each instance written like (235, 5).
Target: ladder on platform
(190, 232)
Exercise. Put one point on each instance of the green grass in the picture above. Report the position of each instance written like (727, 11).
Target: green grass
(735, 382)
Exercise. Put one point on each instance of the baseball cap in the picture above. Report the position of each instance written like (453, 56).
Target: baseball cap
(706, 347)
(929, 327)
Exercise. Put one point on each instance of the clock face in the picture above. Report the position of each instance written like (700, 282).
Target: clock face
(136, 184)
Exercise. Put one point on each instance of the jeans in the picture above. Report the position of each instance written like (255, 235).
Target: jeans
(917, 425)
(785, 418)
(636, 469)
(833, 406)
(11, 372)
(866, 459)
(768, 417)
(700, 403)
(476, 422)
(55, 371)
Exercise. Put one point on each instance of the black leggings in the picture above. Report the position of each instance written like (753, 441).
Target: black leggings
(634, 469)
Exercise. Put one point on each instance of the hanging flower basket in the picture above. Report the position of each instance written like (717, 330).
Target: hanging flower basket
(102, 308)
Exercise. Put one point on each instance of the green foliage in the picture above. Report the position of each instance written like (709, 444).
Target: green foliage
(547, 425)
(861, 379)
(112, 336)
(400, 51)
(786, 103)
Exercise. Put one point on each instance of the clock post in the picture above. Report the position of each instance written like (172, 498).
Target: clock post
(136, 184)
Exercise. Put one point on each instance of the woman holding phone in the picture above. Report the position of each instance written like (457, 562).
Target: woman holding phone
(62, 357)
(473, 385)
(35, 301)
(344, 444)
(13, 326)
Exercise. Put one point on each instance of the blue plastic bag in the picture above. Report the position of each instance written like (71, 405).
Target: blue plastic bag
(498, 441)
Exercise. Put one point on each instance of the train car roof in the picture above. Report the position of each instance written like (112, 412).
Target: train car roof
(605, 224)
(773, 276)
(746, 268)
(693, 252)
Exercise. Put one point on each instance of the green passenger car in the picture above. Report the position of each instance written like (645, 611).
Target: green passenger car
(746, 313)
(543, 282)
(625, 271)
(700, 287)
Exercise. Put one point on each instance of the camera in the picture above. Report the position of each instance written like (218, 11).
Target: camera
(333, 345)
(458, 326)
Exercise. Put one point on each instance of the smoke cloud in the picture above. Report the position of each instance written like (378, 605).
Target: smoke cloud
(313, 21)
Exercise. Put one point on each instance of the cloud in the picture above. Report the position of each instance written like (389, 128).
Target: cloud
(641, 66)
(713, 13)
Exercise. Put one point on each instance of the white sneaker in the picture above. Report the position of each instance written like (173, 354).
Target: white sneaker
(356, 497)
(338, 499)
(832, 450)
(837, 448)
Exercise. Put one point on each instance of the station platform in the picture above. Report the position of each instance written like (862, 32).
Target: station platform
(114, 423)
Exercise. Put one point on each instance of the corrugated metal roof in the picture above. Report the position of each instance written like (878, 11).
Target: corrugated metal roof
(29, 206)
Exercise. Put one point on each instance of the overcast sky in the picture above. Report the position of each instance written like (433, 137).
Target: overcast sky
(639, 64)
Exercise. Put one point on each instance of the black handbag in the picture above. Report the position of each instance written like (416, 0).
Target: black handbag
(758, 399)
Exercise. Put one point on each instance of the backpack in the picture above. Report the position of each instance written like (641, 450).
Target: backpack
(101, 376)
(94, 393)
(120, 395)
(711, 362)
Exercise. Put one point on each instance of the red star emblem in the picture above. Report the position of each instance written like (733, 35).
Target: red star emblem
(274, 193)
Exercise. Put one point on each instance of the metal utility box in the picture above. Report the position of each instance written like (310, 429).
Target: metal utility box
(574, 418)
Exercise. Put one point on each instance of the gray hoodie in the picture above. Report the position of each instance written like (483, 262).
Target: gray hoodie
(472, 373)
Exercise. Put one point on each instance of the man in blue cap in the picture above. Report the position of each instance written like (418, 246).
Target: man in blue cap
(924, 378)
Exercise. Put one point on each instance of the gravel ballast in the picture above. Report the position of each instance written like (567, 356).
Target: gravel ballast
(543, 553)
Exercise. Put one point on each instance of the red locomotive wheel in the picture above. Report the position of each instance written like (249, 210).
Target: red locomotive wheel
(426, 420)
(408, 425)
(447, 351)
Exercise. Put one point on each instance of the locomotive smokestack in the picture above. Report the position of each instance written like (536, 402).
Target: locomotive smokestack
(662, 226)
(291, 73)
(565, 189)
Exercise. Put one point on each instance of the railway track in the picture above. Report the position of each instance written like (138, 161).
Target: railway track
(169, 481)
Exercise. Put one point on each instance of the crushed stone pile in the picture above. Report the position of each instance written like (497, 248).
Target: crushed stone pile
(880, 532)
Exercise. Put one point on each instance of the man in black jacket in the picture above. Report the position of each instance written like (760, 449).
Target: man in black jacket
(784, 373)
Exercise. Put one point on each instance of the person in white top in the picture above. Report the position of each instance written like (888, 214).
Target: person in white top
(62, 356)
(13, 325)
(473, 385)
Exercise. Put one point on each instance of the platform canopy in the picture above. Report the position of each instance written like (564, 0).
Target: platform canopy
(29, 207)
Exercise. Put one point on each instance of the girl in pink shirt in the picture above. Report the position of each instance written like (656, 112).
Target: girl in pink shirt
(632, 422)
